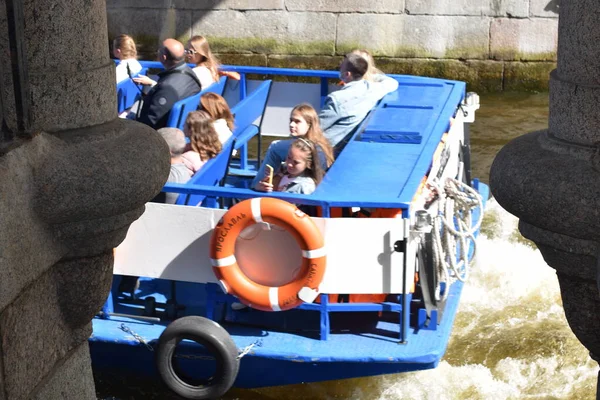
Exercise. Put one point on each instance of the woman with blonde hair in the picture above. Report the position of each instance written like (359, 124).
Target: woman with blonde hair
(204, 141)
(124, 49)
(372, 70)
(219, 110)
(198, 52)
(304, 123)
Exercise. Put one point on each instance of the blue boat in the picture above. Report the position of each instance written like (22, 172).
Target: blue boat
(378, 273)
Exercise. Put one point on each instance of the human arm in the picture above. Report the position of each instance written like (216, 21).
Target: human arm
(144, 80)
(383, 84)
(273, 158)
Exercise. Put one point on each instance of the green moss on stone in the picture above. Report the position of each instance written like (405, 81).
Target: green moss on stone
(508, 54)
(407, 51)
(269, 46)
(327, 63)
(530, 76)
(481, 76)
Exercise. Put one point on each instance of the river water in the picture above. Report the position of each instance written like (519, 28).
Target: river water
(510, 339)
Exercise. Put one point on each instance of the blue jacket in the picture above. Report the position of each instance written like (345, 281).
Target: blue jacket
(345, 109)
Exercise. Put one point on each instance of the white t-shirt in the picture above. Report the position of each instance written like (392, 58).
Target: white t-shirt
(222, 130)
(204, 76)
(134, 67)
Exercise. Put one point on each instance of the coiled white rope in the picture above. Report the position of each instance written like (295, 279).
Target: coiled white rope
(454, 232)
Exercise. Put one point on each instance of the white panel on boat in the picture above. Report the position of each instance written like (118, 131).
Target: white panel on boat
(282, 99)
(172, 242)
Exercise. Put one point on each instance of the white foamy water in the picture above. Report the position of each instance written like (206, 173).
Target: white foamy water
(511, 339)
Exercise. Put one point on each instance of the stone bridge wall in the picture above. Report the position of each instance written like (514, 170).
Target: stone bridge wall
(493, 44)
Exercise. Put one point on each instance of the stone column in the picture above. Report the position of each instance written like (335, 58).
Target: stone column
(72, 178)
(551, 179)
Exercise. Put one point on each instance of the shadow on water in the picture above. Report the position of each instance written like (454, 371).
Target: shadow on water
(502, 117)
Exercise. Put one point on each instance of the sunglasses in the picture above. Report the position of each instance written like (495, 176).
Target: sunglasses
(190, 52)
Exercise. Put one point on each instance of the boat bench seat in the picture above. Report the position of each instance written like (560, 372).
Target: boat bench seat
(183, 107)
(128, 92)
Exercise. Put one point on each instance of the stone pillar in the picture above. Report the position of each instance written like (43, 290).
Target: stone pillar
(551, 179)
(73, 177)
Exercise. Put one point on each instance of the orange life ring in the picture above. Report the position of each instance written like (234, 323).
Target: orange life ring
(233, 280)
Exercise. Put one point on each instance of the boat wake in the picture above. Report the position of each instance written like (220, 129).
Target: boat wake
(511, 339)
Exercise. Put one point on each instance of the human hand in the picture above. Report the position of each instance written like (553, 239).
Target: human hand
(264, 186)
(144, 80)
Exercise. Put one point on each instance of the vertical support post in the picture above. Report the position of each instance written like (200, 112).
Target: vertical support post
(324, 310)
(324, 90)
(243, 88)
(108, 307)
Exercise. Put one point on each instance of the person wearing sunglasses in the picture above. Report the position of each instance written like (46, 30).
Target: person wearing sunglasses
(197, 52)
(176, 82)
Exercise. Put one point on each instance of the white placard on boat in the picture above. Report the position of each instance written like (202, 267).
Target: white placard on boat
(172, 242)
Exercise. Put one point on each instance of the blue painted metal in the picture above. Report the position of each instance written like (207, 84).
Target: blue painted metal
(399, 137)
(246, 112)
(183, 107)
(128, 92)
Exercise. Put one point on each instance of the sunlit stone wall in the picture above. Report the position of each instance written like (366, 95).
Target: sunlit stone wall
(494, 44)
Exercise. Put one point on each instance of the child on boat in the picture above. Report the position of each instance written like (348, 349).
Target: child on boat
(219, 110)
(204, 141)
(124, 49)
(299, 173)
(304, 123)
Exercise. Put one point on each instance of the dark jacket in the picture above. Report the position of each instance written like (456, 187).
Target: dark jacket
(173, 85)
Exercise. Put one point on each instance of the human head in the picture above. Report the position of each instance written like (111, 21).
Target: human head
(203, 137)
(372, 69)
(198, 52)
(171, 53)
(217, 107)
(314, 133)
(303, 158)
(175, 140)
(304, 121)
(353, 68)
(124, 47)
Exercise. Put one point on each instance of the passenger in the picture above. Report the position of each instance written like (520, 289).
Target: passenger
(372, 70)
(220, 112)
(345, 109)
(176, 82)
(304, 122)
(179, 172)
(198, 52)
(204, 141)
(301, 172)
(124, 49)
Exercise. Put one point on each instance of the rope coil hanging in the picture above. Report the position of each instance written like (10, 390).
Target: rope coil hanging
(454, 231)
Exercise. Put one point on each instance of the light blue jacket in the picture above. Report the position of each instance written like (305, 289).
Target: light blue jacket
(345, 109)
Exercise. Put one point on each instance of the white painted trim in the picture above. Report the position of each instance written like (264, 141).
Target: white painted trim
(255, 207)
(224, 286)
(316, 253)
(274, 298)
(223, 262)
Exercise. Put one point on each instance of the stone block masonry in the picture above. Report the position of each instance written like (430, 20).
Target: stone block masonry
(486, 35)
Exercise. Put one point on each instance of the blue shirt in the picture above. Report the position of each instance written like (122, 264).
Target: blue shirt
(345, 109)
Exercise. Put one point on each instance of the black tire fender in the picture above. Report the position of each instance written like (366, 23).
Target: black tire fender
(214, 338)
